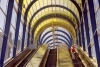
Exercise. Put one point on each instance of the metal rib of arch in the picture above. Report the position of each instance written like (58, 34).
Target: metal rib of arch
(55, 42)
(58, 39)
(65, 25)
(28, 8)
(50, 16)
(57, 35)
(53, 6)
(30, 5)
(79, 9)
(41, 39)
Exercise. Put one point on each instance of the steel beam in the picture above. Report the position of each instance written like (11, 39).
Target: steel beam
(6, 31)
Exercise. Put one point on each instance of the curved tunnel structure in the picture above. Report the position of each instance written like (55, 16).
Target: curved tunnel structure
(31, 23)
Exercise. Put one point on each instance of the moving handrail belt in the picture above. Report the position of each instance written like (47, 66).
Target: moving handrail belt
(18, 59)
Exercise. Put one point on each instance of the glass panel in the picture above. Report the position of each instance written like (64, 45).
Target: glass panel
(49, 39)
(85, 37)
(13, 19)
(96, 4)
(93, 50)
(3, 4)
(64, 39)
(16, 4)
(1, 39)
(45, 31)
(12, 33)
(21, 30)
(9, 51)
(10, 44)
(22, 19)
(98, 15)
(64, 35)
(2, 22)
(47, 36)
(30, 39)
(19, 45)
(25, 42)
(98, 24)
(92, 42)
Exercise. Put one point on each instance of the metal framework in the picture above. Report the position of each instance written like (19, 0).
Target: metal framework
(42, 38)
(32, 30)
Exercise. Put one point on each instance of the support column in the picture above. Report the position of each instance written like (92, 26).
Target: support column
(77, 38)
(80, 39)
(17, 27)
(93, 23)
(71, 40)
(32, 38)
(6, 31)
(28, 38)
(38, 42)
(87, 31)
(40, 38)
(82, 31)
(99, 2)
(23, 36)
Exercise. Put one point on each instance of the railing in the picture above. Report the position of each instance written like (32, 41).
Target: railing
(18, 59)
(85, 59)
(64, 57)
(36, 60)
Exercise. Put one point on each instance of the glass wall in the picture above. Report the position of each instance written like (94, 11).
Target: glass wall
(91, 33)
(11, 36)
(2, 18)
(3, 5)
(97, 17)
(3, 9)
(97, 14)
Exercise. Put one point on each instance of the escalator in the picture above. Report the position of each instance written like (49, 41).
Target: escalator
(44, 57)
(78, 63)
(25, 61)
(52, 58)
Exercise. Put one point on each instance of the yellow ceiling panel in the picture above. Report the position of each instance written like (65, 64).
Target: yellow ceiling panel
(17, 1)
(79, 1)
(40, 3)
(24, 6)
(59, 22)
(29, 14)
(25, 3)
(28, 2)
(62, 12)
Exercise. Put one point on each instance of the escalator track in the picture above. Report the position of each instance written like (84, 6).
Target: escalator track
(52, 58)
(78, 63)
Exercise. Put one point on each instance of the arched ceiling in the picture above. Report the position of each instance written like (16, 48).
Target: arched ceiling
(56, 34)
(52, 21)
(29, 5)
(41, 14)
(61, 35)
(58, 15)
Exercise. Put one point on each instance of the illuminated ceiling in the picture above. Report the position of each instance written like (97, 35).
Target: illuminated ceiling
(34, 10)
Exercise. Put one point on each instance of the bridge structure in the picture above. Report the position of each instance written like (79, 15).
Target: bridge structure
(40, 33)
